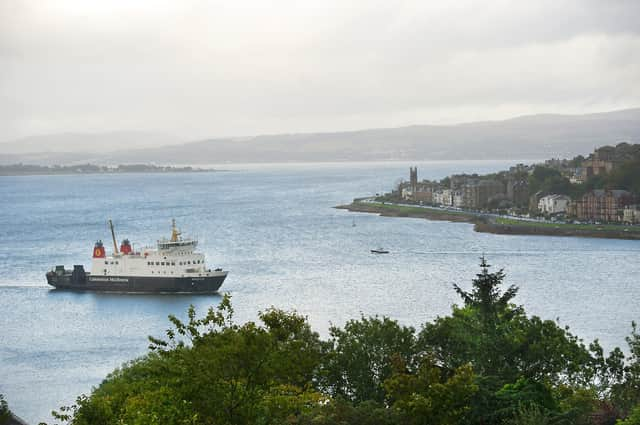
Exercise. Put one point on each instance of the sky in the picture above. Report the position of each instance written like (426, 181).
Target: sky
(204, 69)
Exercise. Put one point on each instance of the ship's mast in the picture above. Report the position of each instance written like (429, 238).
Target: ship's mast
(113, 235)
(174, 231)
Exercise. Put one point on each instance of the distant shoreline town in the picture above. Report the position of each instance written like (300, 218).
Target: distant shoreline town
(593, 196)
(31, 170)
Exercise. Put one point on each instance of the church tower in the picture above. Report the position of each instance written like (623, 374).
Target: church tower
(413, 179)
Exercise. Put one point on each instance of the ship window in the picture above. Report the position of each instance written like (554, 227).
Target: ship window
(188, 262)
(157, 263)
(173, 263)
(162, 263)
(116, 262)
(106, 262)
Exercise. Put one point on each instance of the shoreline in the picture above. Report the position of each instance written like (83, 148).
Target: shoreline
(484, 223)
(107, 173)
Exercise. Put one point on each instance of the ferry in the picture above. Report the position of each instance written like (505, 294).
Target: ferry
(173, 266)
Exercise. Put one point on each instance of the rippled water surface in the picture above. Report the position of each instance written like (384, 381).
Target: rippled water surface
(274, 228)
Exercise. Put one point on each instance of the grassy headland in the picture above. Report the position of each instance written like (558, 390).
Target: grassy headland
(489, 223)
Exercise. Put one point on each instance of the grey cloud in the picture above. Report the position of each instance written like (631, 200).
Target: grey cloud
(208, 69)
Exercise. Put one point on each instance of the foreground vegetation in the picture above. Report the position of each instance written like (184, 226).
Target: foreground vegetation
(5, 413)
(485, 363)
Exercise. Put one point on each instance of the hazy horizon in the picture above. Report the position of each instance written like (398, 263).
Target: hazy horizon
(195, 70)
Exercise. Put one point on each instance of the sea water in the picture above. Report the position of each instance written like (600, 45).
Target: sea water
(276, 231)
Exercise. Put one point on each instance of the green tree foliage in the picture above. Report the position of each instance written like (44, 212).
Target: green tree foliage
(5, 413)
(626, 176)
(342, 412)
(486, 363)
(499, 340)
(430, 396)
(518, 359)
(549, 180)
(212, 370)
(529, 415)
(524, 393)
(633, 419)
(359, 359)
(625, 387)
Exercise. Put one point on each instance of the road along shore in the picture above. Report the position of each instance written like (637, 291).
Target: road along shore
(487, 223)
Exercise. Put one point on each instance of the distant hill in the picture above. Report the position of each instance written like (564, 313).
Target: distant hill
(526, 137)
(86, 142)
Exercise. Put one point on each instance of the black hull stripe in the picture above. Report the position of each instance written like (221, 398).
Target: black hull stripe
(142, 284)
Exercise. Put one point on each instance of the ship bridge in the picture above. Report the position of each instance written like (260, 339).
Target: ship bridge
(168, 244)
(176, 240)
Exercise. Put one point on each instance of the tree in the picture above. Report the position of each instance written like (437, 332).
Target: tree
(5, 413)
(211, 370)
(625, 391)
(626, 176)
(516, 358)
(498, 339)
(429, 395)
(479, 333)
(524, 393)
(487, 362)
(359, 359)
(341, 412)
(632, 419)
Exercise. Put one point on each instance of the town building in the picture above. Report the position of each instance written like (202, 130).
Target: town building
(518, 191)
(577, 176)
(602, 205)
(458, 199)
(520, 169)
(477, 194)
(600, 162)
(443, 197)
(417, 191)
(631, 214)
(553, 204)
(413, 179)
(534, 200)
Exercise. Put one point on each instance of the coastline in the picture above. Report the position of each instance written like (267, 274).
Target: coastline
(88, 173)
(486, 223)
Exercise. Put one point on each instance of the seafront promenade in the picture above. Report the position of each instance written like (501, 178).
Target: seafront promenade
(494, 223)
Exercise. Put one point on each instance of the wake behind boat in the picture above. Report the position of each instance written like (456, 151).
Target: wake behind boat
(172, 267)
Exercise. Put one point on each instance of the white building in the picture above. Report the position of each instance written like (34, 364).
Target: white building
(443, 197)
(553, 204)
(407, 193)
(578, 176)
(631, 214)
